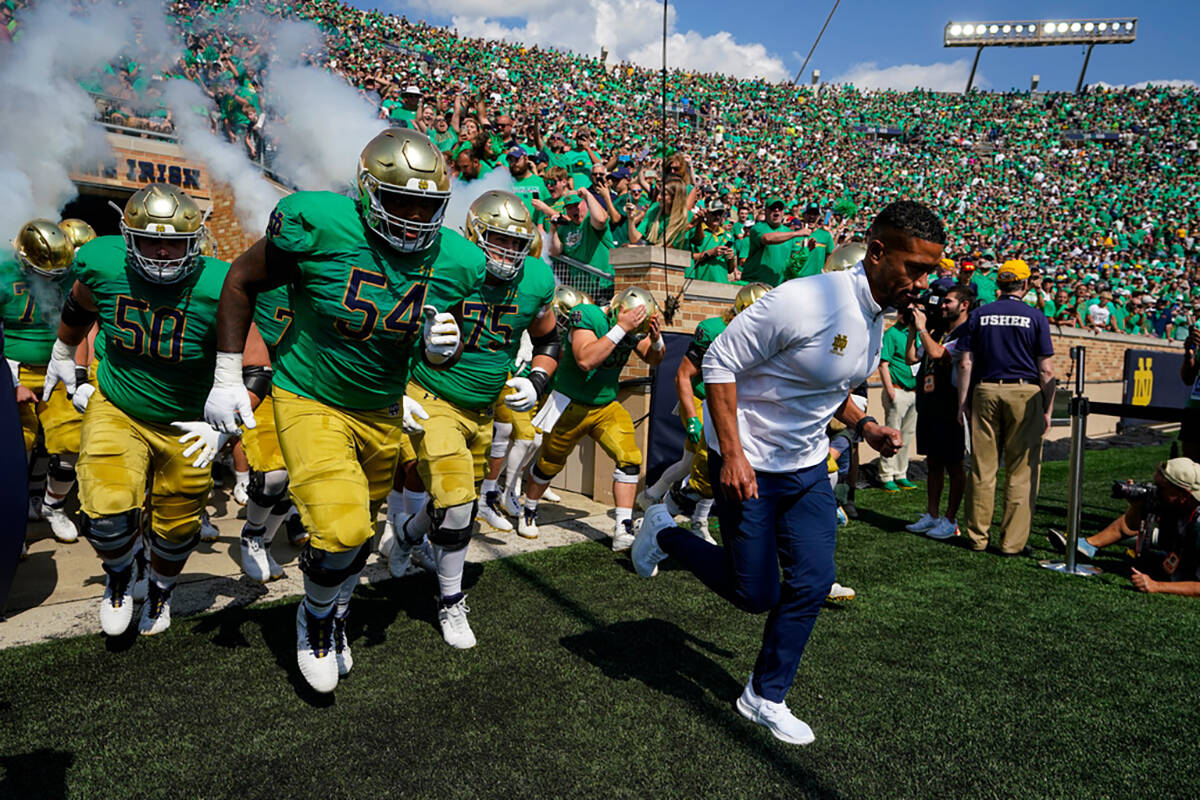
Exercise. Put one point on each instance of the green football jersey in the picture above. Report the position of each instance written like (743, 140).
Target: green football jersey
(357, 302)
(706, 332)
(493, 316)
(273, 316)
(598, 386)
(160, 341)
(29, 306)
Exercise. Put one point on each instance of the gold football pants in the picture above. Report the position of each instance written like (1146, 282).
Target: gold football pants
(451, 453)
(261, 442)
(610, 425)
(60, 422)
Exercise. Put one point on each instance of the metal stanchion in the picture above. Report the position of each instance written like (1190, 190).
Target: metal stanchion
(1079, 416)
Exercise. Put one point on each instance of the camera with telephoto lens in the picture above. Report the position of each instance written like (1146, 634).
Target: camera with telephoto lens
(1150, 536)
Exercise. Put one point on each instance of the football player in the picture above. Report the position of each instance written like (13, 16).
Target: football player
(695, 497)
(596, 347)
(368, 277)
(450, 452)
(155, 298)
(31, 294)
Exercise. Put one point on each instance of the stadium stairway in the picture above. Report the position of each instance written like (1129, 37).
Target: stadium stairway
(57, 588)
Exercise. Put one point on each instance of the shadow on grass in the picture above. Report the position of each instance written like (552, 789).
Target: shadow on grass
(39, 774)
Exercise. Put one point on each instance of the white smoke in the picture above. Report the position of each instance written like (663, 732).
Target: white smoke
(47, 122)
(253, 195)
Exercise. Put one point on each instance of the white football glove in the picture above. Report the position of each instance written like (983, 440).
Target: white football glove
(228, 405)
(524, 352)
(81, 397)
(202, 439)
(412, 412)
(524, 396)
(61, 369)
(15, 368)
(442, 335)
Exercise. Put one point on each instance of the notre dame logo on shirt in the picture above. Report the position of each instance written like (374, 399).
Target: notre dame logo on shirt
(572, 239)
(839, 345)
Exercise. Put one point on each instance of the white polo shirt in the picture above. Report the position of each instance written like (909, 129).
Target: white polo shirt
(794, 355)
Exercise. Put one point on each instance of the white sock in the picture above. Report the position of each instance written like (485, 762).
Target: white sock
(449, 569)
(531, 505)
(488, 485)
(703, 509)
(623, 514)
(414, 501)
(395, 502)
(345, 591)
(671, 475)
(514, 462)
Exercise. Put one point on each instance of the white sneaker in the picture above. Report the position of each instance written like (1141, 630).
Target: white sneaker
(646, 553)
(116, 607)
(491, 513)
(839, 593)
(510, 503)
(208, 531)
(422, 559)
(387, 539)
(455, 628)
(527, 524)
(623, 535)
(315, 654)
(241, 493)
(254, 557)
(551, 496)
(700, 528)
(341, 643)
(60, 524)
(775, 717)
(925, 523)
(945, 529)
(645, 500)
(156, 611)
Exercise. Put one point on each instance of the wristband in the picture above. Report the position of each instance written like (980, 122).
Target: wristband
(62, 351)
(81, 375)
(540, 380)
(615, 334)
(228, 371)
(862, 423)
(658, 345)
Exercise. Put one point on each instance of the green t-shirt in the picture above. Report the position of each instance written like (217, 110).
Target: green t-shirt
(706, 332)
(29, 306)
(160, 340)
(599, 386)
(895, 343)
(815, 263)
(357, 302)
(985, 288)
(766, 263)
(493, 317)
(586, 244)
(715, 268)
(529, 188)
(273, 316)
(444, 141)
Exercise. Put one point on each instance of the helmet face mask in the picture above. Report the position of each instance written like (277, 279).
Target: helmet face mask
(43, 248)
(403, 189)
(502, 227)
(163, 230)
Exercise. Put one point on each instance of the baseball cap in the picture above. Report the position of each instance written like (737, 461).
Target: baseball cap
(570, 199)
(948, 263)
(1184, 473)
(775, 200)
(621, 172)
(1013, 270)
(812, 208)
(411, 89)
(515, 152)
(967, 266)
(714, 205)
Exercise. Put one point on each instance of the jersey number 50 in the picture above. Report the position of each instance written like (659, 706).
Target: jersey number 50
(157, 333)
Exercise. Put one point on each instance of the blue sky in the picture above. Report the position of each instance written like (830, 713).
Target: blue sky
(867, 42)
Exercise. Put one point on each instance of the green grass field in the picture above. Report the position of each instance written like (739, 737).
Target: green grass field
(953, 674)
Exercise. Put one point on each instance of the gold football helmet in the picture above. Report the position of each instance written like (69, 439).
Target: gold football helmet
(845, 256)
(170, 225)
(633, 297)
(566, 298)
(78, 232)
(498, 212)
(747, 295)
(208, 244)
(43, 248)
(401, 167)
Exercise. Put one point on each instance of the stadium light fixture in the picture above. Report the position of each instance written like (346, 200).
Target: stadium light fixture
(1039, 33)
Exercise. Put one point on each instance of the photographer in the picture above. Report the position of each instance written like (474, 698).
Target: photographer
(939, 435)
(1164, 519)
(713, 258)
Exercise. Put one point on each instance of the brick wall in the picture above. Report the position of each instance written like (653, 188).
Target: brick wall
(232, 239)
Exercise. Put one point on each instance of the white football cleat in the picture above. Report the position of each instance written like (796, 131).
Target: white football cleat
(623, 535)
(422, 559)
(60, 524)
(315, 654)
(839, 593)
(455, 628)
(775, 717)
(208, 531)
(926, 522)
(510, 504)
(387, 539)
(116, 607)
(646, 553)
(700, 528)
(254, 557)
(274, 568)
(491, 513)
(341, 643)
(551, 496)
(527, 524)
(156, 611)
(241, 493)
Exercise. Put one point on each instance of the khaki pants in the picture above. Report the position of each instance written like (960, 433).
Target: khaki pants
(1009, 416)
(900, 414)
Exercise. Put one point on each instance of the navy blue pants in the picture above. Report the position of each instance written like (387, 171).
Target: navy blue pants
(14, 490)
(792, 523)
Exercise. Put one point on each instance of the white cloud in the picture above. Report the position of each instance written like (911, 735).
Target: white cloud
(1181, 83)
(628, 29)
(940, 76)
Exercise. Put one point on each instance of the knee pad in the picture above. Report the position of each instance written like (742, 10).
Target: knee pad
(452, 526)
(173, 551)
(537, 476)
(62, 467)
(332, 569)
(627, 473)
(268, 488)
(501, 431)
(112, 533)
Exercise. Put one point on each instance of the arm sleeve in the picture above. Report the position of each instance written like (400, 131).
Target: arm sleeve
(762, 331)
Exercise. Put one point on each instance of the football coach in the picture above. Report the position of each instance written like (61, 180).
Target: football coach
(776, 376)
